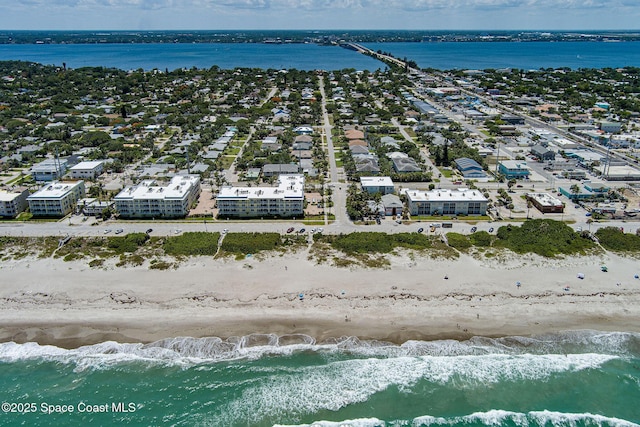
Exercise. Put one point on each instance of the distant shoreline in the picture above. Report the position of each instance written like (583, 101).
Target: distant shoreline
(306, 36)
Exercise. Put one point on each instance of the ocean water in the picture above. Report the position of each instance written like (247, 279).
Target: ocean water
(582, 378)
(443, 56)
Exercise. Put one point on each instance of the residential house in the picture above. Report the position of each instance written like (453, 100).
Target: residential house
(280, 169)
(377, 184)
(405, 165)
(392, 205)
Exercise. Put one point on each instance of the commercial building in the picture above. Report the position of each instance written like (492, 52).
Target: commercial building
(87, 170)
(11, 204)
(543, 154)
(469, 168)
(284, 200)
(462, 201)
(56, 199)
(377, 184)
(513, 169)
(545, 203)
(610, 127)
(149, 200)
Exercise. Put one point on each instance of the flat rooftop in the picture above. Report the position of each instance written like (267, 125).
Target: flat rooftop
(446, 195)
(289, 187)
(377, 181)
(55, 190)
(176, 189)
(87, 165)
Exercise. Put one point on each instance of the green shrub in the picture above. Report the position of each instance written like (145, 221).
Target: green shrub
(129, 243)
(363, 243)
(544, 237)
(614, 239)
(459, 241)
(415, 241)
(192, 243)
(250, 243)
(481, 238)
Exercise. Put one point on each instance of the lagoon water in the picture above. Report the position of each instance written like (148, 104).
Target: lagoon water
(574, 379)
(443, 56)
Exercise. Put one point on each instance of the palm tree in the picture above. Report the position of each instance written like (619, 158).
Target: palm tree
(575, 190)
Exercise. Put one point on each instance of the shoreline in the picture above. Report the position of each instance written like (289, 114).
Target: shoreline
(68, 304)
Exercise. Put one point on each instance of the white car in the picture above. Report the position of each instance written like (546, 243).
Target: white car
(107, 231)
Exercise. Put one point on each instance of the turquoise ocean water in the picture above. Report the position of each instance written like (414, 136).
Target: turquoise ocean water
(573, 379)
(444, 56)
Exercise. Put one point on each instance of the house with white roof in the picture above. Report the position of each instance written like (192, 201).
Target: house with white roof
(377, 184)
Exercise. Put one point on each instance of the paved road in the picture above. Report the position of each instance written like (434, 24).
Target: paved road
(75, 227)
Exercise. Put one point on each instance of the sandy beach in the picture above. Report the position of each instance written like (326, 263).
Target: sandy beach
(68, 304)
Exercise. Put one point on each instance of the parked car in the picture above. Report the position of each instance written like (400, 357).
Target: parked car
(302, 230)
(491, 230)
(149, 230)
(474, 229)
(119, 231)
(420, 230)
(107, 231)
(290, 230)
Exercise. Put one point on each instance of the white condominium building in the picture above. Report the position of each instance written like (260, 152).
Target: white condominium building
(149, 200)
(462, 201)
(56, 199)
(285, 200)
(11, 204)
(87, 170)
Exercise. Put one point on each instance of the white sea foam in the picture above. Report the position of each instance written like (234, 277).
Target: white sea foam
(535, 418)
(187, 351)
(361, 422)
(356, 380)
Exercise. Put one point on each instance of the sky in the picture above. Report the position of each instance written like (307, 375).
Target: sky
(319, 14)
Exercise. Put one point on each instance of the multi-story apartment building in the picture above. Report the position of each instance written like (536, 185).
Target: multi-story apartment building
(149, 200)
(284, 200)
(462, 201)
(11, 204)
(87, 170)
(56, 198)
